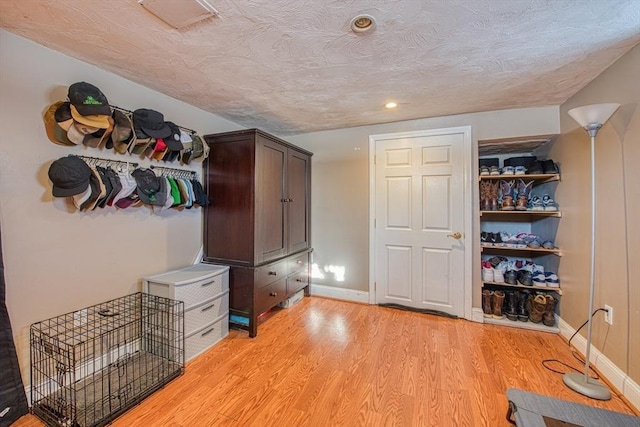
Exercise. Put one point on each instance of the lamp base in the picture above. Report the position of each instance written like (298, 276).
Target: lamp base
(588, 387)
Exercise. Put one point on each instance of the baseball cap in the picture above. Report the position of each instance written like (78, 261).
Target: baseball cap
(88, 100)
(99, 137)
(169, 202)
(173, 141)
(128, 186)
(96, 191)
(122, 134)
(96, 121)
(159, 150)
(150, 122)
(78, 132)
(55, 133)
(70, 176)
(79, 199)
(149, 187)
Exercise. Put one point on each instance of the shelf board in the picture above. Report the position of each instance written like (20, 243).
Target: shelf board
(518, 144)
(522, 325)
(525, 214)
(538, 178)
(539, 288)
(541, 251)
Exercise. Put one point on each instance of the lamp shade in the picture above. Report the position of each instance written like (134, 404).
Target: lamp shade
(593, 114)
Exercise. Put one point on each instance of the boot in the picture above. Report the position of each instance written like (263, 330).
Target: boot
(496, 301)
(486, 302)
(549, 318)
(493, 195)
(507, 195)
(512, 305)
(523, 195)
(523, 313)
(538, 306)
(485, 189)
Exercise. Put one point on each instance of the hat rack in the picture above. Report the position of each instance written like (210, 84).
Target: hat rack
(105, 162)
(175, 173)
(130, 113)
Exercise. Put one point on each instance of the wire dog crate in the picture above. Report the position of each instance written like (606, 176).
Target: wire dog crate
(91, 365)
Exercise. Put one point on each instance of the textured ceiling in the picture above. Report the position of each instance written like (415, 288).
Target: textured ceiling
(293, 66)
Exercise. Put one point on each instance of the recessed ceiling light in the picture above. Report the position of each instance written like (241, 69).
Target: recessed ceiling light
(391, 105)
(362, 23)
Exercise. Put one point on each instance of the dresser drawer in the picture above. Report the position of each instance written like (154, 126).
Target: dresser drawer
(206, 337)
(297, 281)
(197, 317)
(270, 273)
(269, 296)
(300, 262)
(196, 292)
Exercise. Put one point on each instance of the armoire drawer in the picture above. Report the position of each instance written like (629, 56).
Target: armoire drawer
(299, 263)
(297, 281)
(197, 317)
(269, 296)
(270, 273)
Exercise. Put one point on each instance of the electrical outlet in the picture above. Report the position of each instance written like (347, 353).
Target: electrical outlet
(608, 315)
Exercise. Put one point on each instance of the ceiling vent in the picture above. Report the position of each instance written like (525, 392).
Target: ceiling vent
(180, 14)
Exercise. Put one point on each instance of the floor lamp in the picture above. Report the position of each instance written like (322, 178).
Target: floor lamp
(591, 118)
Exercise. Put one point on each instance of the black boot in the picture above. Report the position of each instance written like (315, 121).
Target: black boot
(523, 313)
(512, 305)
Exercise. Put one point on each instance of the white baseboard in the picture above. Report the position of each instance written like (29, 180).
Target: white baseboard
(477, 315)
(616, 376)
(340, 293)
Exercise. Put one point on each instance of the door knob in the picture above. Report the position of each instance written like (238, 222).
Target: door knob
(457, 235)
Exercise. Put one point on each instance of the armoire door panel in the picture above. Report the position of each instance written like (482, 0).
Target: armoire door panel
(271, 214)
(298, 204)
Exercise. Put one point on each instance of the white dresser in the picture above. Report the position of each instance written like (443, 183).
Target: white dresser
(204, 288)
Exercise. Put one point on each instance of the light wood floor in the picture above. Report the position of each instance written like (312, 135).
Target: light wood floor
(331, 363)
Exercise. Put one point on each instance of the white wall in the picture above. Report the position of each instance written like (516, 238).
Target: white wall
(340, 184)
(57, 260)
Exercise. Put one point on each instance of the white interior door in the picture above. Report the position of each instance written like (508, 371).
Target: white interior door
(419, 219)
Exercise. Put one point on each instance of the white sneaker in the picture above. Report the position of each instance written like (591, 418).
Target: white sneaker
(487, 272)
(498, 275)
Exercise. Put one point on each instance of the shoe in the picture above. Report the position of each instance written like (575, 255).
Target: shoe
(525, 277)
(484, 171)
(507, 197)
(484, 239)
(539, 279)
(536, 168)
(523, 312)
(549, 204)
(549, 318)
(511, 277)
(494, 170)
(493, 195)
(535, 204)
(548, 245)
(520, 170)
(535, 243)
(487, 295)
(498, 275)
(487, 272)
(523, 194)
(551, 280)
(538, 307)
(512, 305)
(508, 170)
(496, 240)
(549, 167)
(496, 302)
(485, 202)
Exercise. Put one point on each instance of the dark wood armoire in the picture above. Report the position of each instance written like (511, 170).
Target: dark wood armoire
(259, 219)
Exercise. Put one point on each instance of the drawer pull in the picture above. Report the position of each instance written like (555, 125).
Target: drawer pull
(273, 294)
(210, 283)
(204, 334)
(298, 280)
(299, 261)
(209, 307)
(273, 273)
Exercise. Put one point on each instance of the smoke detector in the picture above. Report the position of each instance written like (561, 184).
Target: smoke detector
(180, 14)
(362, 23)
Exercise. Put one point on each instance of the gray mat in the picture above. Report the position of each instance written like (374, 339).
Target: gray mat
(535, 410)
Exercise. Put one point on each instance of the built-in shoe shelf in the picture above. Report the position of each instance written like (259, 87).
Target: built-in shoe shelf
(523, 325)
(538, 288)
(538, 178)
(525, 215)
(525, 252)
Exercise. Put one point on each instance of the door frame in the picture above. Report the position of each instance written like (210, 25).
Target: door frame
(467, 180)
